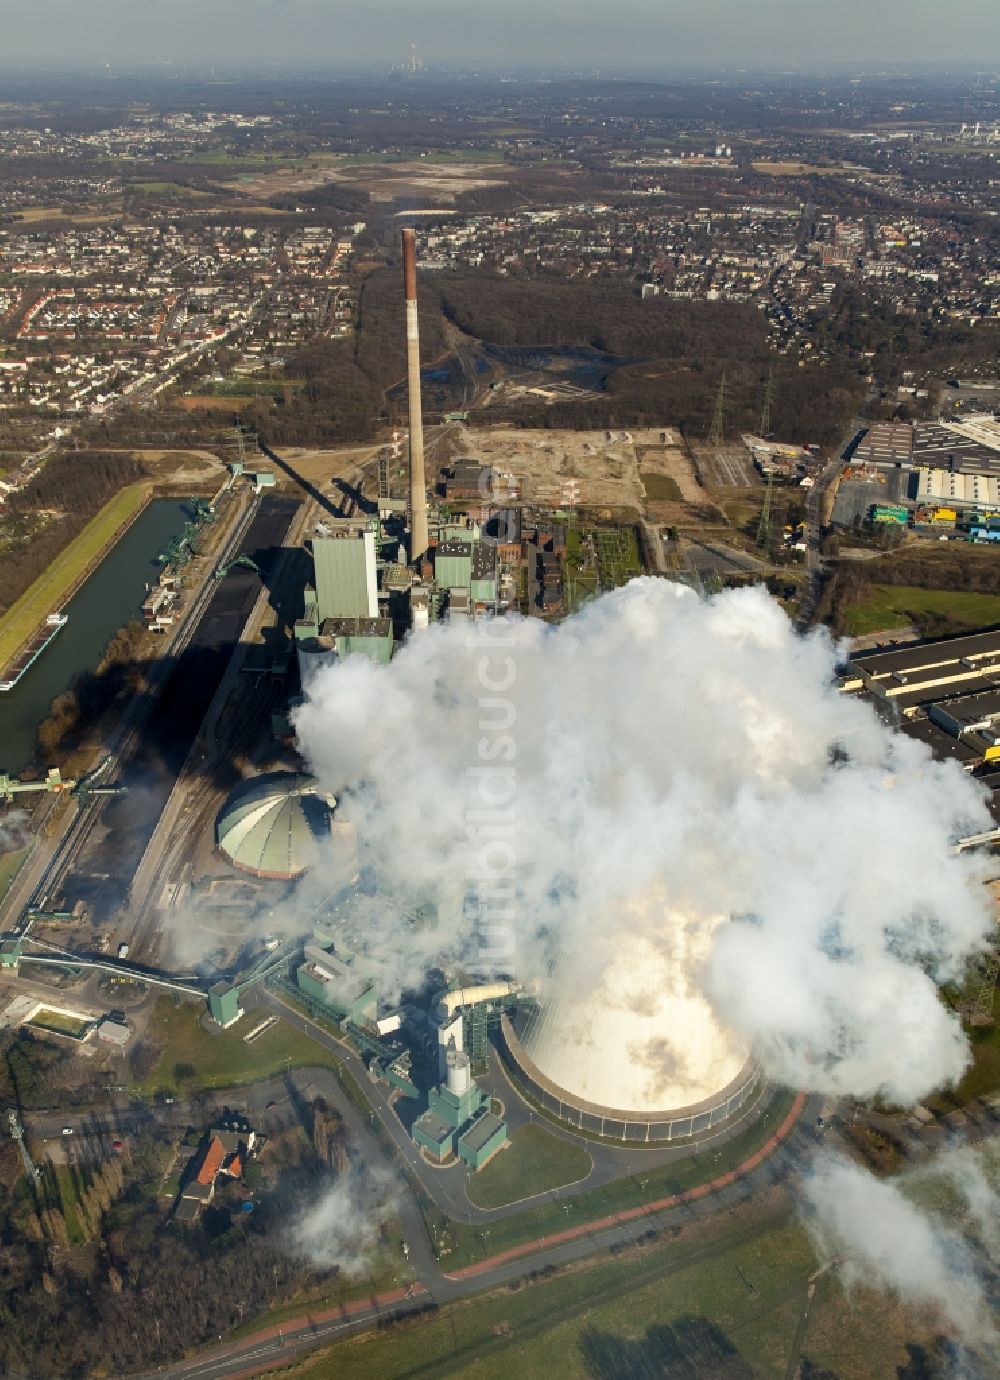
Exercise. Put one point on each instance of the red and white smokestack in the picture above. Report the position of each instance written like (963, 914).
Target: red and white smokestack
(418, 483)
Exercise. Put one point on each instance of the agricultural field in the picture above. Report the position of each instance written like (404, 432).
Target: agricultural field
(534, 1162)
(224, 158)
(190, 1058)
(52, 589)
(793, 169)
(172, 191)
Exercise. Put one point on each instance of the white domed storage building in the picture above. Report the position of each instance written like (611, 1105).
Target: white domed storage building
(275, 825)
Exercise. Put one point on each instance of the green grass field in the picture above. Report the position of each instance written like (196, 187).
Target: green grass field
(10, 864)
(892, 606)
(660, 488)
(230, 160)
(55, 1020)
(464, 156)
(50, 590)
(983, 1074)
(174, 189)
(684, 1307)
(68, 1200)
(535, 1161)
(221, 1059)
(461, 1244)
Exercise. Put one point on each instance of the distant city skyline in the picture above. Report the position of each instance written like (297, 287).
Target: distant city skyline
(644, 34)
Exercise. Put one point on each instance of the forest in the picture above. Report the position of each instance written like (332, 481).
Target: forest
(676, 351)
(144, 1290)
(607, 314)
(342, 395)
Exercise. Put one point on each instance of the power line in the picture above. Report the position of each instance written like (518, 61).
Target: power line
(765, 412)
(764, 526)
(718, 416)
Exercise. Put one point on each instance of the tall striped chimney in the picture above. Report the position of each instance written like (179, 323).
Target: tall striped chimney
(418, 483)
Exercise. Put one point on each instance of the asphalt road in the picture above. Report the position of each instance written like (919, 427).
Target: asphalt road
(273, 1104)
(280, 1344)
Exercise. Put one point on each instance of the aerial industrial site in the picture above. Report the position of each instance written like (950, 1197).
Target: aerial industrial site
(498, 734)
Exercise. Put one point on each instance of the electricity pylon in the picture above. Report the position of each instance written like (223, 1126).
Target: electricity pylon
(765, 412)
(764, 526)
(715, 433)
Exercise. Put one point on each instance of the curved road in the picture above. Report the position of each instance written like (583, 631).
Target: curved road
(279, 1344)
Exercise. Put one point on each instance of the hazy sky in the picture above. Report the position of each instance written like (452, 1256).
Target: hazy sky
(648, 33)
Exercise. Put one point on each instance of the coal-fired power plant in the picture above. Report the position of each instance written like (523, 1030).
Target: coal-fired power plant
(418, 486)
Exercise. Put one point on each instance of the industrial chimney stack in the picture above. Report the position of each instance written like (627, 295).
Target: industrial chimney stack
(418, 485)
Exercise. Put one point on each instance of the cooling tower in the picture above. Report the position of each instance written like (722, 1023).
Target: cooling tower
(625, 1044)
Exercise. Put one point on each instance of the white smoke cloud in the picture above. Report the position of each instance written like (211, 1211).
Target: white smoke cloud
(882, 1238)
(658, 744)
(14, 832)
(341, 1229)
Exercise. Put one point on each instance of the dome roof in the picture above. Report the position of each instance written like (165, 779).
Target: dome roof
(274, 825)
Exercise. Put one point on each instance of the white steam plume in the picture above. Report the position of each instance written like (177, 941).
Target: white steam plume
(341, 1230)
(882, 1238)
(14, 833)
(658, 745)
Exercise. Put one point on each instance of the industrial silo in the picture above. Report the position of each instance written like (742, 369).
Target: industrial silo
(276, 825)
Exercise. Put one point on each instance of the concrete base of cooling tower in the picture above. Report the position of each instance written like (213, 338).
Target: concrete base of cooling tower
(677, 1123)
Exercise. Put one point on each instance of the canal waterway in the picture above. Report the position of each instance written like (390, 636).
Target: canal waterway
(111, 597)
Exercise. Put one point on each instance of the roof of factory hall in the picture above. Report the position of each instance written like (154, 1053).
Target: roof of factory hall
(969, 713)
(942, 744)
(481, 1131)
(886, 443)
(355, 627)
(484, 561)
(942, 446)
(921, 659)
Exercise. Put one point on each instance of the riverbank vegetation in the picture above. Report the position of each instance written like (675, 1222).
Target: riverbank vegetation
(55, 528)
(75, 715)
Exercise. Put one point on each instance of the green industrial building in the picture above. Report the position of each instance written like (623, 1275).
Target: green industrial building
(453, 564)
(346, 579)
(458, 1119)
(333, 980)
(319, 644)
(10, 953)
(468, 565)
(224, 1003)
(480, 1142)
